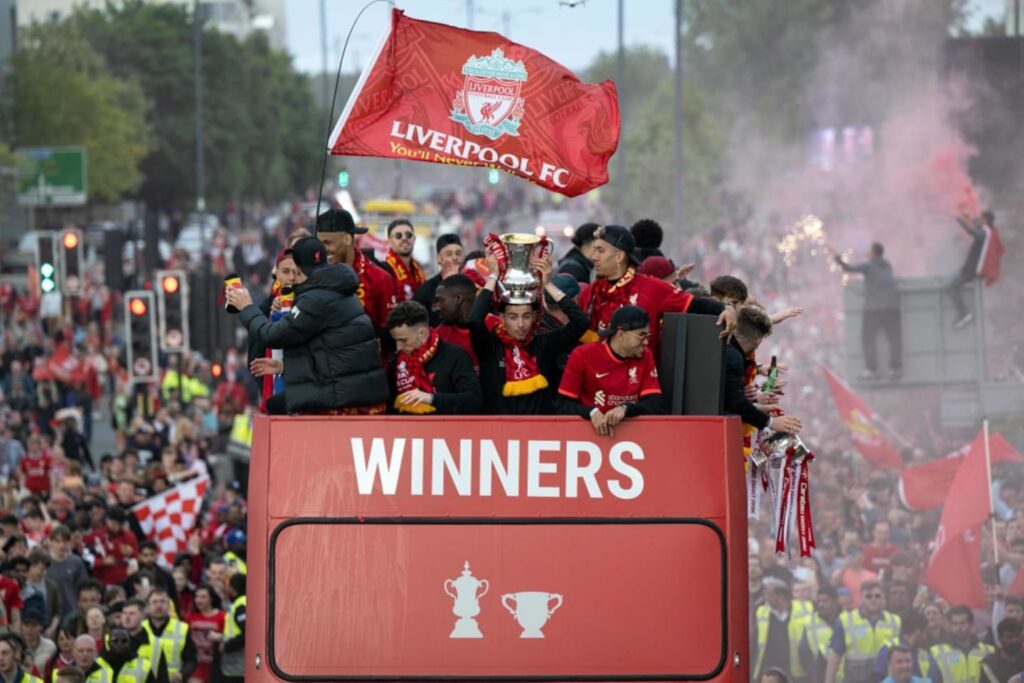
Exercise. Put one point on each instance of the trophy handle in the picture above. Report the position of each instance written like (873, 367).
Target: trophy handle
(554, 596)
(504, 602)
(448, 582)
(485, 584)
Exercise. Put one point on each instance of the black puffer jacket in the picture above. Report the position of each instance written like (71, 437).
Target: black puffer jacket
(331, 357)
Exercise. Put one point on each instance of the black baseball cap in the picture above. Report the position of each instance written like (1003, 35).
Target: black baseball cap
(627, 318)
(619, 237)
(309, 255)
(447, 239)
(338, 220)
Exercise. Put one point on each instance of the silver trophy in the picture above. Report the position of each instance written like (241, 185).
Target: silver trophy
(519, 284)
(466, 592)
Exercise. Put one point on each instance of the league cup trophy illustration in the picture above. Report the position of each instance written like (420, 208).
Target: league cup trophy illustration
(532, 610)
(517, 282)
(467, 602)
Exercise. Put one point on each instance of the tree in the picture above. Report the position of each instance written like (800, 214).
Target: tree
(66, 96)
(261, 126)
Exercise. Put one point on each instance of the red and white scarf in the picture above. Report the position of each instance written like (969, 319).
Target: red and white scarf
(411, 375)
(522, 376)
(607, 296)
(409, 278)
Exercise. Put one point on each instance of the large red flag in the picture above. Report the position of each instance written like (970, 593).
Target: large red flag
(991, 259)
(954, 571)
(862, 422)
(926, 486)
(441, 94)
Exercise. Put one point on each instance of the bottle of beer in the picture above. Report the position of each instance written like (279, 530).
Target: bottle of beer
(773, 377)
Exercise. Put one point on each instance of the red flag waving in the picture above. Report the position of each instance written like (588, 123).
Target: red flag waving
(862, 422)
(926, 486)
(445, 95)
(954, 571)
(991, 256)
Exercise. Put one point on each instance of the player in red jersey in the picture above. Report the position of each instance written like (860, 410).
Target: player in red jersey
(377, 289)
(608, 381)
(617, 283)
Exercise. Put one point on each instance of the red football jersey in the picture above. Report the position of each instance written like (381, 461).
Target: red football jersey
(649, 293)
(37, 473)
(597, 378)
(377, 289)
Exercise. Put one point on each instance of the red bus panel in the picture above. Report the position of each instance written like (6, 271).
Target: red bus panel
(477, 549)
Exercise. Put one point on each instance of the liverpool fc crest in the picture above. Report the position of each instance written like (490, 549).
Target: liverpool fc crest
(489, 102)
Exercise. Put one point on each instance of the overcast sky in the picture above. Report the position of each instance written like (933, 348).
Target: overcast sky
(571, 36)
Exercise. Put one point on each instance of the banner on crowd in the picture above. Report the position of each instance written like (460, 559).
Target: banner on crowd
(954, 571)
(863, 424)
(926, 486)
(168, 518)
(446, 95)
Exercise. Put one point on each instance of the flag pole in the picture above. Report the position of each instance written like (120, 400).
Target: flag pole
(991, 497)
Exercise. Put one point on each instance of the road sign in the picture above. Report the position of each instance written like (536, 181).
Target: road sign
(52, 176)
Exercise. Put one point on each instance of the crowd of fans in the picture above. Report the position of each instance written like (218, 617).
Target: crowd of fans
(77, 564)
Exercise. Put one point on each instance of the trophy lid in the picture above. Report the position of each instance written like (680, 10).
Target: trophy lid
(520, 238)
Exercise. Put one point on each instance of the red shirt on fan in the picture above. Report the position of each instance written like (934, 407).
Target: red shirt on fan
(597, 378)
(199, 629)
(36, 468)
(655, 296)
(120, 546)
(377, 291)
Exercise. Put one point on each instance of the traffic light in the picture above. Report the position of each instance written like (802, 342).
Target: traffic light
(172, 295)
(493, 176)
(71, 267)
(343, 179)
(140, 331)
(46, 262)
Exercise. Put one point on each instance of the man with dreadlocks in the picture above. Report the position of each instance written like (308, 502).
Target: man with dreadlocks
(516, 359)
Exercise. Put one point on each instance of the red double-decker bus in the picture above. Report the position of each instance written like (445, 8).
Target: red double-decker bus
(496, 549)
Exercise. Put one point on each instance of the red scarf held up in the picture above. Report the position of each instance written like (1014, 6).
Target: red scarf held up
(522, 376)
(411, 375)
(409, 278)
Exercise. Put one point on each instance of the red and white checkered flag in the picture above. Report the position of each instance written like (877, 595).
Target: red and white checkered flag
(169, 517)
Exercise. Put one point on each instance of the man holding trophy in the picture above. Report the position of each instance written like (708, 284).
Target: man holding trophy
(516, 358)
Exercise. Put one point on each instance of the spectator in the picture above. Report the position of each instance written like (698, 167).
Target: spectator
(124, 662)
(853, 575)
(65, 653)
(11, 657)
(66, 569)
(516, 360)
(1008, 661)
(176, 648)
(206, 629)
(609, 381)
(39, 593)
(428, 375)
(881, 311)
(327, 331)
(449, 261)
(89, 593)
(878, 553)
(912, 637)
(859, 634)
(959, 658)
(36, 467)
(780, 624)
(812, 652)
(149, 551)
(900, 659)
(40, 648)
(115, 545)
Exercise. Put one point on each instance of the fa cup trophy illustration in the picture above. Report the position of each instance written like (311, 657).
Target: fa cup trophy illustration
(532, 610)
(467, 594)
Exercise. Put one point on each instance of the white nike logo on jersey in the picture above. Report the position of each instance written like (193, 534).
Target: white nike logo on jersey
(602, 374)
